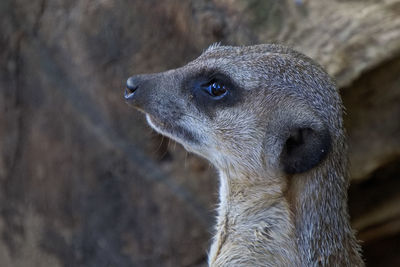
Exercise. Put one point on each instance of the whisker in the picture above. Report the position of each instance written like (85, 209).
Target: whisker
(159, 146)
(165, 151)
(186, 154)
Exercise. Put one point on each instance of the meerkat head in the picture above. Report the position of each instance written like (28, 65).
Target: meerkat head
(262, 107)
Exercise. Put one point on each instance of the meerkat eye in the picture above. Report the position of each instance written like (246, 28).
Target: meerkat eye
(216, 90)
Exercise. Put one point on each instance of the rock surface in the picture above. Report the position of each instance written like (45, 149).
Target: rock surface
(84, 181)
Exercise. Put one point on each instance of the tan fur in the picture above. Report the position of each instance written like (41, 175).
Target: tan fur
(266, 216)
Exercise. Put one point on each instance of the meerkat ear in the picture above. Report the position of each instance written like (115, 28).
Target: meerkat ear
(304, 149)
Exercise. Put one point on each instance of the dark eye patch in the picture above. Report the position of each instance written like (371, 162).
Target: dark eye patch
(203, 99)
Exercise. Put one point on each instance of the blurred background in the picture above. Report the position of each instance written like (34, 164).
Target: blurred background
(85, 182)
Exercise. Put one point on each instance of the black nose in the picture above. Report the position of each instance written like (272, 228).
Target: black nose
(131, 86)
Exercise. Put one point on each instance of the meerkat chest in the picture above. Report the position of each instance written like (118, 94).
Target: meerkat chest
(254, 236)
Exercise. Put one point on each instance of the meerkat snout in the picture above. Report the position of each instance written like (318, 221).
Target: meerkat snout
(132, 84)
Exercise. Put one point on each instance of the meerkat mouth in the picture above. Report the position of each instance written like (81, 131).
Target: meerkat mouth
(155, 123)
(172, 130)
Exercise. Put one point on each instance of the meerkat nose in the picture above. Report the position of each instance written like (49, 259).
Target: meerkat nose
(131, 86)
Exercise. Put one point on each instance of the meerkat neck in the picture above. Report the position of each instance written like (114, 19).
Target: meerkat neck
(254, 224)
(301, 223)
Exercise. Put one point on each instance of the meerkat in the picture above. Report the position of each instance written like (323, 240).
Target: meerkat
(270, 120)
